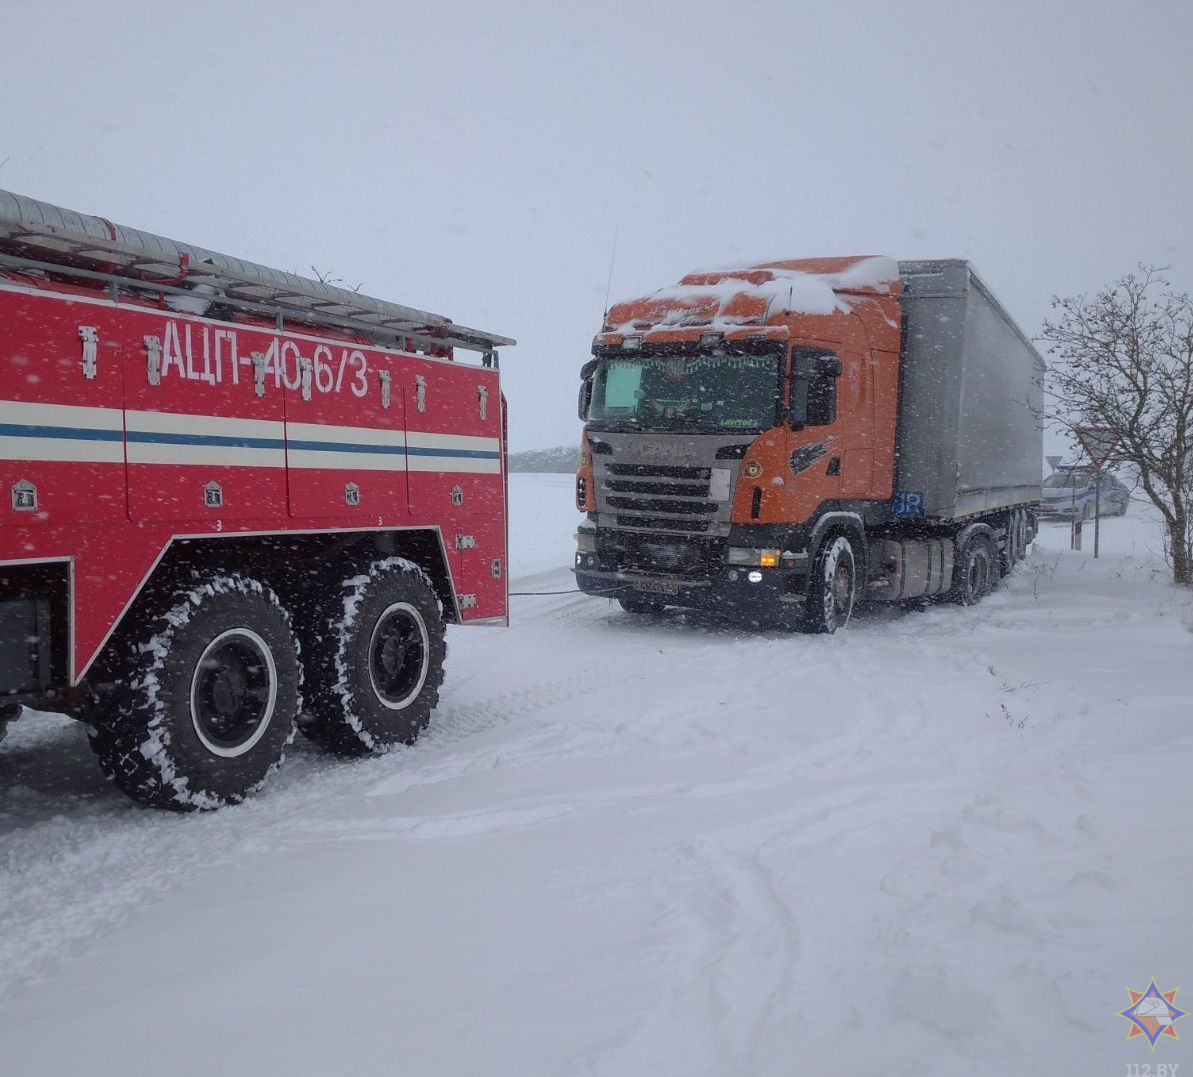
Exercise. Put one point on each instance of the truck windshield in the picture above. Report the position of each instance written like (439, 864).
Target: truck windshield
(692, 392)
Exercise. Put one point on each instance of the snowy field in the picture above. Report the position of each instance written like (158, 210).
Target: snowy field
(940, 843)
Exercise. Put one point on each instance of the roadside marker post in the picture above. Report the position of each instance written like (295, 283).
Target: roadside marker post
(1098, 443)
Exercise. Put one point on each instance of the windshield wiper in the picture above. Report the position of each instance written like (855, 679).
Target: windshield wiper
(614, 425)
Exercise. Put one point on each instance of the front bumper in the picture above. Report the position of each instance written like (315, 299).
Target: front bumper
(776, 591)
(720, 574)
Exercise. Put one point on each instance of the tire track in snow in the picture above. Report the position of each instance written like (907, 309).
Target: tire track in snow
(731, 951)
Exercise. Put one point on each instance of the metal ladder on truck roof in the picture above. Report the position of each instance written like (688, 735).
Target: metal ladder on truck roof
(41, 236)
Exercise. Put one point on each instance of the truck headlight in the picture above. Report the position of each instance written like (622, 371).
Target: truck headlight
(745, 555)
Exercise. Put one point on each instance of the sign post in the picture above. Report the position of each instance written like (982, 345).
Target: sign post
(1098, 443)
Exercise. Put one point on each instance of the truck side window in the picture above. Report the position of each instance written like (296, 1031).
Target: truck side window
(814, 387)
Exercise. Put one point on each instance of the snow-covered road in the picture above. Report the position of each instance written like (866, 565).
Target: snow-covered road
(942, 842)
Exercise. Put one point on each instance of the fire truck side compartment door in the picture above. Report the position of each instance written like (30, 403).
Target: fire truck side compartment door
(203, 446)
(61, 412)
(456, 478)
(346, 449)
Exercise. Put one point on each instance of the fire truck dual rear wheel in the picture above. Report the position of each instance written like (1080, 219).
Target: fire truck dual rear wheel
(209, 703)
(375, 662)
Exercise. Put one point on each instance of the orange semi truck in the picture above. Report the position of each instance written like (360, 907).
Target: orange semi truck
(780, 441)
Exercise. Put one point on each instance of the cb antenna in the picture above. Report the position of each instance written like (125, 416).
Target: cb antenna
(609, 282)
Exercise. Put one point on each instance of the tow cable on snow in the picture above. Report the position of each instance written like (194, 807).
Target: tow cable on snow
(536, 594)
(573, 591)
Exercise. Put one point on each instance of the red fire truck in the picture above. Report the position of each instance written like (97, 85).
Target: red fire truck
(234, 502)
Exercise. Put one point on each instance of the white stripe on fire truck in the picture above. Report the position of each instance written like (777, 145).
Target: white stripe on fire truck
(364, 448)
(69, 432)
(61, 432)
(313, 445)
(159, 437)
(431, 452)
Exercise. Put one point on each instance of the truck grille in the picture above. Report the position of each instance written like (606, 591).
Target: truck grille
(659, 496)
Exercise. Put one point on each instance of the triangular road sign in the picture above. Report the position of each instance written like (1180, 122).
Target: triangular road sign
(1098, 443)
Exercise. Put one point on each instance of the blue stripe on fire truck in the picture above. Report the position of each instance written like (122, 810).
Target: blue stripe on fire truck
(61, 432)
(145, 437)
(72, 433)
(21, 430)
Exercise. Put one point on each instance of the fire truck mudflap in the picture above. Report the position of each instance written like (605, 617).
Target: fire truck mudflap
(234, 503)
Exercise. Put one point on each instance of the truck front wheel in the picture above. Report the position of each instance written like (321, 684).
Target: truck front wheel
(206, 705)
(376, 663)
(833, 587)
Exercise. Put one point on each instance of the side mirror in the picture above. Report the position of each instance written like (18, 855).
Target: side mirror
(584, 399)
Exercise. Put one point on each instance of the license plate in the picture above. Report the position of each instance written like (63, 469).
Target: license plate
(658, 587)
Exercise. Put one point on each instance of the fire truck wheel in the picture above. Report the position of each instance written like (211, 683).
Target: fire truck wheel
(209, 701)
(374, 679)
(974, 573)
(833, 586)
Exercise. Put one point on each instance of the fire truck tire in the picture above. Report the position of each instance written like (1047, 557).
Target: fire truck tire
(832, 589)
(975, 571)
(209, 700)
(374, 679)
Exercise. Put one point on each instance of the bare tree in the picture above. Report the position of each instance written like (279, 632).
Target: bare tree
(1123, 360)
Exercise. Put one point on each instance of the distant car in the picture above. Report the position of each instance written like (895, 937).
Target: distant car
(1069, 492)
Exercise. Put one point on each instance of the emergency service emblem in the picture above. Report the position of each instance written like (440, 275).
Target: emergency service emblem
(1153, 1014)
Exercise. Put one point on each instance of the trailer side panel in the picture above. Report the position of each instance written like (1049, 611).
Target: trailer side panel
(970, 430)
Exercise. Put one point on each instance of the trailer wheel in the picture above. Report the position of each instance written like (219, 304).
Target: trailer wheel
(374, 679)
(1021, 529)
(973, 573)
(207, 701)
(833, 586)
(1015, 544)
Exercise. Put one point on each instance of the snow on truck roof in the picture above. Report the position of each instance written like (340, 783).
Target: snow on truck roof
(724, 298)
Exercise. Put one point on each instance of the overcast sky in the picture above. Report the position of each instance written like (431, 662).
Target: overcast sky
(478, 159)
